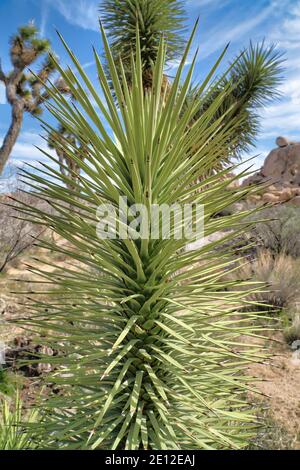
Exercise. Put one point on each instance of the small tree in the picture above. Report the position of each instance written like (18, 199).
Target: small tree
(256, 74)
(24, 91)
(63, 142)
(16, 235)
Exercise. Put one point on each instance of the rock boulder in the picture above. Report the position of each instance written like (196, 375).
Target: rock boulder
(281, 170)
(281, 167)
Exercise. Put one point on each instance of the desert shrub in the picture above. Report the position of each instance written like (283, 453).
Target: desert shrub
(292, 333)
(273, 436)
(278, 287)
(281, 275)
(7, 383)
(291, 321)
(280, 230)
(277, 276)
(16, 235)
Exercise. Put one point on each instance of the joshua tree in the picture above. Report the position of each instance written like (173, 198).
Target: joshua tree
(256, 71)
(153, 19)
(149, 337)
(64, 143)
(24, 91)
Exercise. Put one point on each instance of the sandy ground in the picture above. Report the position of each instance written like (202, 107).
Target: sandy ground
(280, 381)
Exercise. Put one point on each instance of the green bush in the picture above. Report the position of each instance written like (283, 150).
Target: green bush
(7, 383)
(17, 425)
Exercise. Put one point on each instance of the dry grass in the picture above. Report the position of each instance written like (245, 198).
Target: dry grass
(292, 330)
(280, 230)
(273, 436)
(281, 276)
(278, 279)
(277, 276)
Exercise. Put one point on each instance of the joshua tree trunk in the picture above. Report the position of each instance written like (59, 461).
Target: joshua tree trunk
(12, 133)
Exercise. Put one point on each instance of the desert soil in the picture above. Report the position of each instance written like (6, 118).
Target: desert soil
(279, 380)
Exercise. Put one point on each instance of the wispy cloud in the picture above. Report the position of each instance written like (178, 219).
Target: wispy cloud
(87, 65)
(83, 13)
(260, 154)
(292, 24)
(25, 150)
(173, 65)
(222, 35)
(283, 118)
(44, 18)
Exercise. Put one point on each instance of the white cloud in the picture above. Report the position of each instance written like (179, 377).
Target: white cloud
(31, 137)
(291, 88)
(2, 94)
(292, 63)
(283, 118)
(44, 18)
(25, 151)
(174, 64)
(220, 36)
(292, 24)
(87, 65)
(83, 13)
(259, 154)
(286, 31)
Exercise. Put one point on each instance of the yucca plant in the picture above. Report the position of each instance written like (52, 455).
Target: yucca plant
(150, 354)
(16, 425)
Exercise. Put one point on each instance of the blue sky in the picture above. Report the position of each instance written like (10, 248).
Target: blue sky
(221, 21)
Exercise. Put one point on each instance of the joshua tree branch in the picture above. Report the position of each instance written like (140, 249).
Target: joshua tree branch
(42, 77)
(13, 132)
(11, 84)
(23, 94)
(39, 98)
